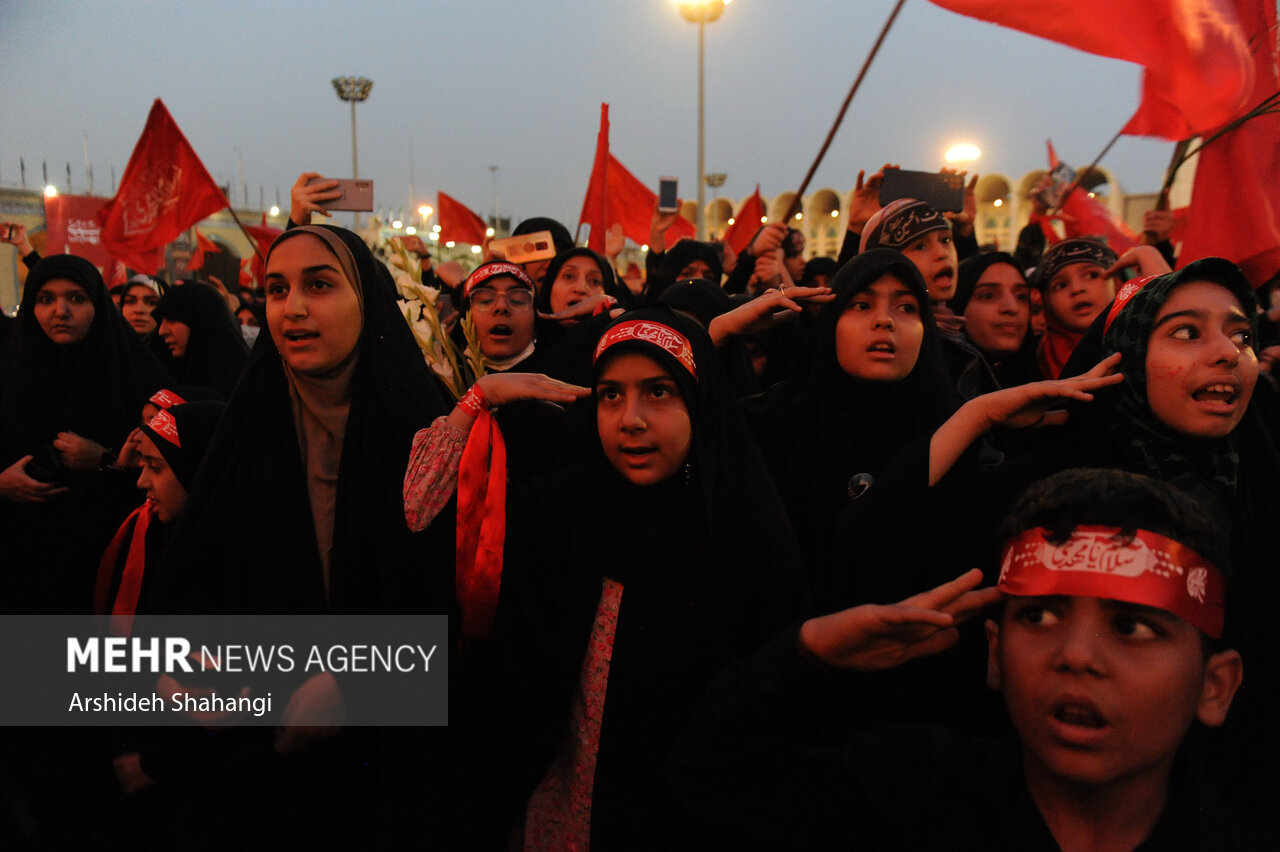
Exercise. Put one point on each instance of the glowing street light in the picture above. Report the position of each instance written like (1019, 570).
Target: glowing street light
(50, 191)
(962, 153)
(275, 210)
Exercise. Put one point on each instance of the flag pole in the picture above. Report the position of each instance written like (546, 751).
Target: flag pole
(875, 48)
(248, 236)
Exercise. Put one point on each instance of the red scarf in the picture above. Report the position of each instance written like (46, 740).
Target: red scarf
(125, 605)
(482, 525)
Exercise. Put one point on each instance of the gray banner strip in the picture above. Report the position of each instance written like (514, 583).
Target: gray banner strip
(222, 671)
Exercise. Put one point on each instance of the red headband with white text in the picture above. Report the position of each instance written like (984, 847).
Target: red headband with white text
(495, 269)
(655, 333)
(1098, 562)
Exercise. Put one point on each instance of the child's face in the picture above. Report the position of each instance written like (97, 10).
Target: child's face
(1100, 691)
(879, 335)
(166, 493)
(934, 254)
(1076, 294)
(1201, 367)
(644, 423)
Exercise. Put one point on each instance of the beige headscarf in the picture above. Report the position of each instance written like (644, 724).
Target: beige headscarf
(320, 405)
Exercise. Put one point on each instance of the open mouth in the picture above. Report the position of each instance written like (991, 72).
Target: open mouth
(1078, 719)
(638, 452)
(1082, 307)
(1219, 393)
(882, 347)
(501, 331)
(296, 336)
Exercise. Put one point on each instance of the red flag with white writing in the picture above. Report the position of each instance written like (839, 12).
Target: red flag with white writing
(458, 223)
(1197, 68)
(745, 224)
(71, 226)
(614, 196)
(165, 190)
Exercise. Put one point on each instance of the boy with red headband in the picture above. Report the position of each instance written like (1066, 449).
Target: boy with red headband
(1105, 653)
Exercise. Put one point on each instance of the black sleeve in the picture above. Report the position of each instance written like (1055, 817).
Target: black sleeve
(31, 259)
(966, 246)
(849, 248)
(749, 768)
(737, 281)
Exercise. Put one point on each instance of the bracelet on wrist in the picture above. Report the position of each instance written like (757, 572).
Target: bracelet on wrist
(473, 402)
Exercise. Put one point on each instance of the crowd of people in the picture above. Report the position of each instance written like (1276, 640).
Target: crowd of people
(669, 516)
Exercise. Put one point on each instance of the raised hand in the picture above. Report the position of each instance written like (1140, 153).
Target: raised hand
(872, 637)
(306, 199)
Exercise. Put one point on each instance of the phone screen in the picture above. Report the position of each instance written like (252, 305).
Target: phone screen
(667, 195)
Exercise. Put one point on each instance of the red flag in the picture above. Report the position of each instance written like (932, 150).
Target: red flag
(246, 277)
(615, 196)
(115, 274)
(71, 226)
(263, 235)
(164, 191)
(738, 235)
(1083, 216)
(1198, 72)
(204, 246)
(1235, 201)
(457, 223)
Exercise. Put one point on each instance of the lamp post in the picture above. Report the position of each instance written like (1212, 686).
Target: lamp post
(701, 12)
(353, 89)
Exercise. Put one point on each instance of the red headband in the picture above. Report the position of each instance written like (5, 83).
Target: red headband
(165, 398)
(1126, 294)
(494, 270)
(166, 427)
(655, 333)
(1097, 562)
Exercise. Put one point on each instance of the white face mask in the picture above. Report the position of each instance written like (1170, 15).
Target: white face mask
(250, 333)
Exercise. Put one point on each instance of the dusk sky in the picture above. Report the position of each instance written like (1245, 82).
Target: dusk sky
(519, 86)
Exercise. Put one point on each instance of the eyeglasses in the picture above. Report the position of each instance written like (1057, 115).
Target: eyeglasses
(517, 299)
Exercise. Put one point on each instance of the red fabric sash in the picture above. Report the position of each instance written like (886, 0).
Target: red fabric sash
(482, 525)
(122, 609)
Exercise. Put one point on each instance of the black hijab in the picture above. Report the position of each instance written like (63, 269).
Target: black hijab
(247, 542)
(94, 388)
(709, 568)
(610, 281)
(216, 352)
(827, 435)
(1203, 467)
(1019, 367)
(676, 258)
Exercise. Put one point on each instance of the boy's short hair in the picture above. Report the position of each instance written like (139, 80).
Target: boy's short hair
(1115, 498)
(1089, 497)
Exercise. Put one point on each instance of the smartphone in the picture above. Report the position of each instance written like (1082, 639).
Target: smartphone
(667, 199)
(357, 195)
(939, 191)
(525, 248)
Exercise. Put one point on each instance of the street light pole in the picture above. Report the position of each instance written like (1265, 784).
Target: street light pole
(701, 12)
(353, 89)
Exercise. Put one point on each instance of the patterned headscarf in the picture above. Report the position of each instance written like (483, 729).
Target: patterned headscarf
(1162, 451)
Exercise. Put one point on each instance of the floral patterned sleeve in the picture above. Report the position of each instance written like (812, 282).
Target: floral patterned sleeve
(432, 475)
